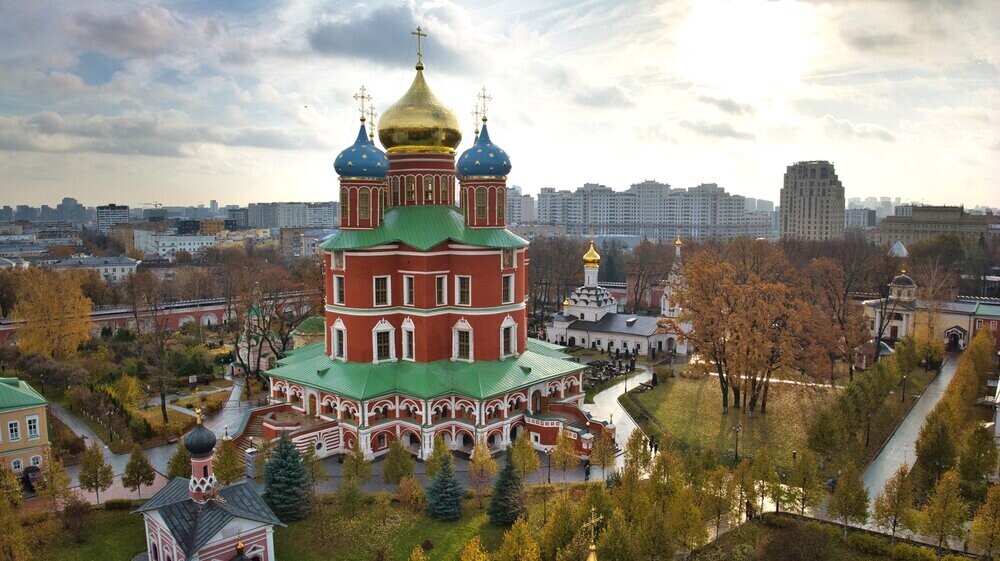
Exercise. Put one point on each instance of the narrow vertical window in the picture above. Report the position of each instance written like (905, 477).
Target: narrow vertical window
(408, 344)
(381, 291)
(441, 290)
(481, 203)
(508, 289)
(501, 205)
(382, 345)
(411, 189)
(464, 296)
(344, 203)
(508, 341)
(395, 191)
(428, 189)
(338, 290)
(407, 291)
(364, 205)
(463, 344)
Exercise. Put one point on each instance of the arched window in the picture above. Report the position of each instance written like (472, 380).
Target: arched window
(364, 205)
(383, 201)
(343, 203)
(501, 204)
(480, 202)
(428, 189)
(204, 471)
(411, 189)
(395, 191)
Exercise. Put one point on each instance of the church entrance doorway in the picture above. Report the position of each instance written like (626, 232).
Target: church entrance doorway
(536, 401)
(312, 405)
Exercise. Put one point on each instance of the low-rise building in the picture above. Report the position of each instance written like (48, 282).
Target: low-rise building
(914, 223)
(24, 433)
(167, 246)
(111, 269)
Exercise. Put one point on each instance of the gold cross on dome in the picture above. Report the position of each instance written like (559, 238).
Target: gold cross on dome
(364, 101)
(484, 98)
(371, 120)
(420, 53)
(477, 115)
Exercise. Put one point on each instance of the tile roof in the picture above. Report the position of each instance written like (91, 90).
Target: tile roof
(422, 228)
(363, 380)
(193, 524)
(620, 323)
(15, 394)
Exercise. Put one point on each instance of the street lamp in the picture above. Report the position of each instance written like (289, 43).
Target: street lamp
(548, 454)
(868, 430)
(737, 429)
(902, 396)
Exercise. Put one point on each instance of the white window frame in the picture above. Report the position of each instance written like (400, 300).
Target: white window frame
(462, 325)
(509, 322)
(36, 461)
(17, 465)
(38, 428)
(508, 295)
(409, 290)
(388, 291)
(409, 350)
(513, 259)
(339, 352)
(383, 326)
(339, 290)
(13, 431)
(337, 261)
(458, 290)
(442, 281)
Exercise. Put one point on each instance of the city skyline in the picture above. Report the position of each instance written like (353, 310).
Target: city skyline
(194, 101)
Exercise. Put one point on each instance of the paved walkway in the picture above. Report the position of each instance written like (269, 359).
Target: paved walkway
(232, 412)
(901, 446)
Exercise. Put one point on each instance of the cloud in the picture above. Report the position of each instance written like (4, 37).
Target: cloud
(842, 128)
(96, 68)
(165, 134)
(722, 130)
(383, 36)
(611, 96)
(148, 32)
(728, 105)
(870, 42)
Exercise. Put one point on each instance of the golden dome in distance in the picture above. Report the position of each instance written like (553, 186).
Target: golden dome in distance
(678, 242)
(419, 122)
(591, 259)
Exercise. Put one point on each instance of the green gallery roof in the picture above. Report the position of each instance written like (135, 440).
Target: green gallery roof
(15, 394)
(310, 366)
(422, 228)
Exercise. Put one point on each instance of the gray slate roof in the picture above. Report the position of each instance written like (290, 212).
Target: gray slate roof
(192, 524)
(643, 326)
(91, 261)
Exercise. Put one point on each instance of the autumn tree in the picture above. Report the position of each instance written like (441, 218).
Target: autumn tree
(138, 471)
(10, 486)
(647, 264)
(227, 464)
(482, 468)
(943, 516)
(96, 474)
(563, 455)
(522, 454)
(147, 298)
(473, 551)
(13, 542)
(54, 326)
(179, 464)
(979, 456)
(721, 495)
(356, 467)
(849, 502)
(935, 445)
(438, 455)
(518, 544)
(398, 463)
(893, 506)
(805, 483)
(985, 532)
(832, 286)
(603, 452)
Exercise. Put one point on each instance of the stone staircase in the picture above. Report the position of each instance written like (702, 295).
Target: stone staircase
(254, 428)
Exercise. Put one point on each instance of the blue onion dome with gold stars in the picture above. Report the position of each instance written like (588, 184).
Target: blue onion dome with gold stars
(361, 159)
(484, 159)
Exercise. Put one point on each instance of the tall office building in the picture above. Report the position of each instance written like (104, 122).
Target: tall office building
(812, 202)
(109, 215)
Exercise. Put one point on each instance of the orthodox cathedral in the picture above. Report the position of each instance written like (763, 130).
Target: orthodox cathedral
(425, 330)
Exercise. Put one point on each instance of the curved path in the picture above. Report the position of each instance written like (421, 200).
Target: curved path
(606, 406)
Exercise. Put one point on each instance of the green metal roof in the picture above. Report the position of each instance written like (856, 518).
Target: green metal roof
(310, 366)
(549, 349)
(15, 394)
(312, 325)
(988, 310)
(422, 228)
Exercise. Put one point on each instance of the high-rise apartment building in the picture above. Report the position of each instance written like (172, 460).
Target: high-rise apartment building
(520, 207)
(812, 202)
(109, 215)
(293, 215)
(651, 209)
(860, 219)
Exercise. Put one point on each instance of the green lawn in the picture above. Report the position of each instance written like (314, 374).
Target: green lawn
(690, 410)
(114, 535)
(327, 535)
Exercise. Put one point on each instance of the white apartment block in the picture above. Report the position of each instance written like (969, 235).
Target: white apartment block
(520, 207)
(651, 209)
(109, 215)
(812, 202)
(292, 215)
(166, 246)
(111, 269)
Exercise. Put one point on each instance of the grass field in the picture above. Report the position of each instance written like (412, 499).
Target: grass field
(115, 535)
(690, 410)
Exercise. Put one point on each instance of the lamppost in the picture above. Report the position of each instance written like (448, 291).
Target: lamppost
(737, 429)
(548, 454)
(868, 429)
(902, 395)
(111, 434)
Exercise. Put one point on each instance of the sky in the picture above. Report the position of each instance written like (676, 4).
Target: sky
(183, 101)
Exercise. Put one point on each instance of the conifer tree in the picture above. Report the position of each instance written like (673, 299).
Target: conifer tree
(95, 473)
(523, 455)
(473, 551)
(892, 507)
(849, 503)
(356, 467)
(286, 484)
(10, 486)
(603, 452)
(398, 463)
(444, 496)
(518, 544)
(179, 464)
(433, 463)
(945, 511)
(482, 468)
(227, 465)
(55, 481)
(985, 532)
(507, 502)
(138, 472)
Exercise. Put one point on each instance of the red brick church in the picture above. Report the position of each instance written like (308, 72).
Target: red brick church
(425, 316)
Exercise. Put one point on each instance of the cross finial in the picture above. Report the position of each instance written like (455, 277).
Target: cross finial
(594, 519)
(364, 101)
(371, 121)
(484, 98)
(420, 53)
(477, 114)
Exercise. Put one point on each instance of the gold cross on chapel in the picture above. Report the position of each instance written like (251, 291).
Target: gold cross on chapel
(484, 98)
(364, 100)
(594, 519)
(371, 120)
(420, 53)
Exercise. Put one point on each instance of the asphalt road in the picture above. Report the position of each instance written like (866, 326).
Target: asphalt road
(901, 447)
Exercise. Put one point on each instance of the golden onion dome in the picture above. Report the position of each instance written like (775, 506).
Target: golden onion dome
(565, 302)
(678, 242)
(591, 258)
(419, 122)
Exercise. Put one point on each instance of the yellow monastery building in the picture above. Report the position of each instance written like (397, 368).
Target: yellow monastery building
(24, 435)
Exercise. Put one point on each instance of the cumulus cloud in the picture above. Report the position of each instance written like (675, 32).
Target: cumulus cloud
(165, 134)
(720, 129)
(842, 128)
(727, 105)
(871, 41)
(147, 32)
